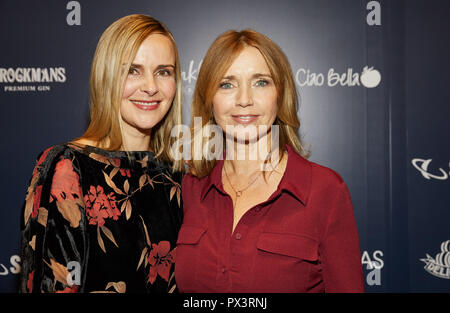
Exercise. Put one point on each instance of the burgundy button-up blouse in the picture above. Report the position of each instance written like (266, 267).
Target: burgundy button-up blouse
(302, 239)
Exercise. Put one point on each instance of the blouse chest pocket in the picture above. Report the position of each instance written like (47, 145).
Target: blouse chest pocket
(285, 262)
(189, 264)
(290, 245)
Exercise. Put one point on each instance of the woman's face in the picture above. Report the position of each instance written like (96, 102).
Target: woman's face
(150, 85)
(246, 96)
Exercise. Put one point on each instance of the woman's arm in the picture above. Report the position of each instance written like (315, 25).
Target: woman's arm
(340, 250)
(53, 226)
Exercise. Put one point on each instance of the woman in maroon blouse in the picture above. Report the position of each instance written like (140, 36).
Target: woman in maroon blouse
(258, 216)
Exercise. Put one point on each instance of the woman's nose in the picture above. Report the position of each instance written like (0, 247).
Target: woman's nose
(244, 97)
(149, 85)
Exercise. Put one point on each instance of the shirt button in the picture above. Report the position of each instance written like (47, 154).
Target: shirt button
(258, 209)
(223, 270)
(238, 236)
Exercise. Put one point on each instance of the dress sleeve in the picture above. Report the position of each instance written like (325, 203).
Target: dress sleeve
(340, 250)
(53, 247)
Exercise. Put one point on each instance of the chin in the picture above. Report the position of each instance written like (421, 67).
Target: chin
(147, 128)
(144, 127)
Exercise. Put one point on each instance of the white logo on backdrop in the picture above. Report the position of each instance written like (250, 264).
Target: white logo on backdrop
(369, 78)
(440, 265)
(422, 166)
(189, 77)
(18, 79)
(13, 269)
(74, 16)
(374, 16)
(374, 265)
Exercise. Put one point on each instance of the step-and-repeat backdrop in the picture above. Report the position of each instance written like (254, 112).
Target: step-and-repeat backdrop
(373, 78)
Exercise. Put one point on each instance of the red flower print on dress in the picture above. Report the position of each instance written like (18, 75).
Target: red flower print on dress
(125, 172)
(115, 162)
(41, 160)
(66, 183)
(160, 261)
(36, 201)
(33, 198)
(30, 282)
(100, 206)
(73, 289)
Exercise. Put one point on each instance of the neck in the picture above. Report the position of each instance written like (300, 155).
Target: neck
(135, 140)
(246, 158)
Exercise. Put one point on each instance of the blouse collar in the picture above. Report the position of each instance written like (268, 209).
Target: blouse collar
(296, 179)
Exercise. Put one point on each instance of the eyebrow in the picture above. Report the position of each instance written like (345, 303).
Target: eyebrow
(139, 66)
(257, 75)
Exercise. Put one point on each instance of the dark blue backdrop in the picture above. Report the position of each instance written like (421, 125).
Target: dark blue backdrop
(388, 138)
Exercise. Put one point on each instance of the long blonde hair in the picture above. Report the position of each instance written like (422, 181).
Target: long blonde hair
(115, 52)
(218, 59)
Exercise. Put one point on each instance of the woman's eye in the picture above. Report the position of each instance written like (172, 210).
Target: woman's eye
(226, 85)
(262, 83)
(133, 71)
(164, 72)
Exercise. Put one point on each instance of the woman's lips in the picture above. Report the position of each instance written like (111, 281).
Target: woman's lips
(245, 119)
(146, 105)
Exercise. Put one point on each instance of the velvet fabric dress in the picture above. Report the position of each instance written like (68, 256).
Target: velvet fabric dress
(100, 221)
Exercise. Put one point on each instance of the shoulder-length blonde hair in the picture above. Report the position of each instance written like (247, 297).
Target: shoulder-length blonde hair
(115, 52)
(218, 59)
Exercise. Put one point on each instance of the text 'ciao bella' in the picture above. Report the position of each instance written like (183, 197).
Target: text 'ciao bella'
(368, 77)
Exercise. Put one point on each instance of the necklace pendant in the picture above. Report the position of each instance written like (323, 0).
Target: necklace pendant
(238, 193)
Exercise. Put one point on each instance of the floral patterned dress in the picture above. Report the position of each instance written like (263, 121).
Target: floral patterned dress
(100, 221)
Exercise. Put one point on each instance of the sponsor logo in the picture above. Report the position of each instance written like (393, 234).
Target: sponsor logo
(369, 78)
(374, 16)
(422, 166)
(374, 264)
(440, 265)
(74, 16)
(189, 77)
(73, 268)
(19, 79)
(33, 75)
(13, 269)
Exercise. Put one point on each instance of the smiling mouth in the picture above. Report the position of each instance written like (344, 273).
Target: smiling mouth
(145, 104)
(245, 119)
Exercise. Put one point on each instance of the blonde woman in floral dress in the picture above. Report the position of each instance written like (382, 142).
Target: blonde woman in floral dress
(102, 212)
